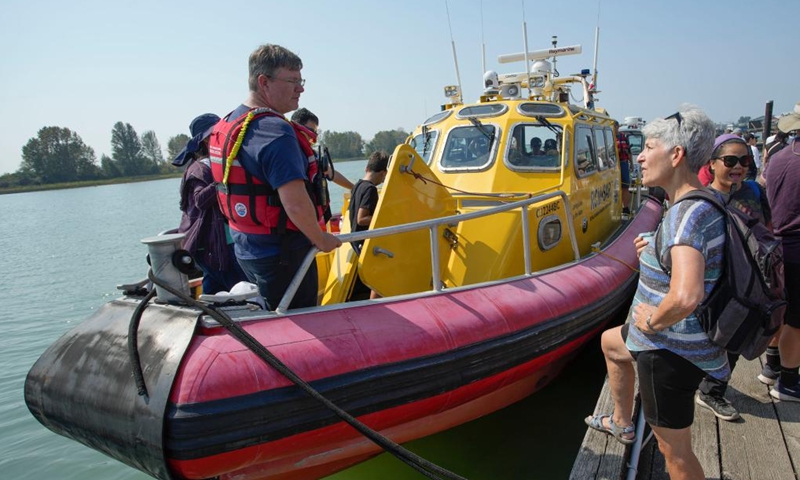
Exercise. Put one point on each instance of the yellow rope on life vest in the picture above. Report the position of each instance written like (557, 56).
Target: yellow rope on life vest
(236, 147)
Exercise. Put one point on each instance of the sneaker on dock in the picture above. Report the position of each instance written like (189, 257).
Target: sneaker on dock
(768, 376)
(786, 393)
(721, 407)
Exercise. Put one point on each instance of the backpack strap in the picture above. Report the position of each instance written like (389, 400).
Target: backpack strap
(701, 194)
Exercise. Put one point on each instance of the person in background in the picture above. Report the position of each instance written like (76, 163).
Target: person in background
(755, 165)
(536, 146)
(783, 183)
(550, 147)
(729, 164)
(306, 118)
(663, 336)
(363, 200)
(207, 237)
(773, 145)
(268, 180)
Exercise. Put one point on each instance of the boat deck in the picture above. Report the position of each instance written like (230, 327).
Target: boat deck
(763, 444)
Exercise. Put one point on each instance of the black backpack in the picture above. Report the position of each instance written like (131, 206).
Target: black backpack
(745, 308)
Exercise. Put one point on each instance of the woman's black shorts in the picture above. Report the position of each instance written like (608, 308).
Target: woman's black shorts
(667, 384)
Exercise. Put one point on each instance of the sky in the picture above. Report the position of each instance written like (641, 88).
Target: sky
(374, 65)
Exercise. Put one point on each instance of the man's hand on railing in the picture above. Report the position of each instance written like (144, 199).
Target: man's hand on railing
(328, 242)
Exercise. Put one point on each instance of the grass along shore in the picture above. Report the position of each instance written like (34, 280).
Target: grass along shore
(87, 183)
(111, 181)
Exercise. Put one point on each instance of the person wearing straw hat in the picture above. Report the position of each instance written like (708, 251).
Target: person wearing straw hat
(783, 183)
(202, 221)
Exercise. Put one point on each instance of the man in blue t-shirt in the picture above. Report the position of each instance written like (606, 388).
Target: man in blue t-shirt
(270, 151)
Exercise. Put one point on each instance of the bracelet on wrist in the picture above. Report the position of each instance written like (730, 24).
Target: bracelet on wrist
(650, 327)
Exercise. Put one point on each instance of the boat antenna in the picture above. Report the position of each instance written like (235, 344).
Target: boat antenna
(596, 45)
(453, 43)
(525, 48)
(483, 43)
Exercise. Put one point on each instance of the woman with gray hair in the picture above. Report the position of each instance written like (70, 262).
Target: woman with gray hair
(662, 335)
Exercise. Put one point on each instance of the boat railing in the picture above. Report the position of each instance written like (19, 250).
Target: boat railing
(432, 225)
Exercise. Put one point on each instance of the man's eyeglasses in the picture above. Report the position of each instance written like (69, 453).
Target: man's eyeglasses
(676, 116)
(730, 161)
(301, 82)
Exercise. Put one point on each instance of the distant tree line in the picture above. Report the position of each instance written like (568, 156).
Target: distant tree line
(59, 155)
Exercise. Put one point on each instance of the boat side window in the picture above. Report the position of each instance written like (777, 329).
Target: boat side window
(602, 152)
(425, 144)
(535, 147)
(585, 155)
(611, 146)
(469, 147)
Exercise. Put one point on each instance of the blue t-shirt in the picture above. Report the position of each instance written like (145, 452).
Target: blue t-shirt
(697, 224)
(270, 153)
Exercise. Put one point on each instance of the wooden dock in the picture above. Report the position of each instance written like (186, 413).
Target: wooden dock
(763, 445)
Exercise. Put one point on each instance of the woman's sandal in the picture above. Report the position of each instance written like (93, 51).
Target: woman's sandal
(596, 422)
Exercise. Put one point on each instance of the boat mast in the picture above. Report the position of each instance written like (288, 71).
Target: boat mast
(455, 58)
(525, 48)
(596, 46)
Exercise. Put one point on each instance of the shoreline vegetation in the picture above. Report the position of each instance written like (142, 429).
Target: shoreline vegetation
(111, 181)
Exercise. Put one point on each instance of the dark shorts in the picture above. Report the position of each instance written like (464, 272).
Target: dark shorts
(625, 171)
(791, 273)
(667, 383)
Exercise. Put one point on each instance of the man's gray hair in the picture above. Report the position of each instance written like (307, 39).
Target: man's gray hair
(266, 59)
(691, 129)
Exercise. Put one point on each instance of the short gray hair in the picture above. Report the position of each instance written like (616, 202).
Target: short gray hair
(689, 128)
(266, 59)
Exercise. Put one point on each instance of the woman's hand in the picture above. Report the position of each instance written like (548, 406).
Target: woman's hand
(641, 241)
(641, 314)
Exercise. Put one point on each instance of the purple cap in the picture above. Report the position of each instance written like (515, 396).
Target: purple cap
(726, 138)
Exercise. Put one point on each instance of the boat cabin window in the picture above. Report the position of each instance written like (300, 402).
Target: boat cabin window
(436, 118)
(585, 153)
(535, 147)
(490, 110)
(469, 147)
(543, 109)
(605, 157)
(611, 145)
(425, 144)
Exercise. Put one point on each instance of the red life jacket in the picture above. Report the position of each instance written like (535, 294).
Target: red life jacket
(250, 205)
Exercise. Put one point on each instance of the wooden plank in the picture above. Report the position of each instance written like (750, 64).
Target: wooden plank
(788, 414)
(752, 446)
(705, 441)
(601, 456)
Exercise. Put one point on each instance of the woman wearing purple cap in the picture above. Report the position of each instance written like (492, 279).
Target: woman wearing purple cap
(206, 230)
(728, 166)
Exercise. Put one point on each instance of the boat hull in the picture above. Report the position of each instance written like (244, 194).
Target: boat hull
(408, 367)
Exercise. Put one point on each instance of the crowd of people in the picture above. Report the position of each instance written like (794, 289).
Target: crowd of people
(663, 341)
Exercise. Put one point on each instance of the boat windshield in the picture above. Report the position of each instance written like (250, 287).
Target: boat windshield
(535, 146)
(636, 143)
(425, 144)
(469, 147)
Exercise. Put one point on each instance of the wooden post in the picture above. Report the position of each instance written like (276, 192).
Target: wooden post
(766, 130)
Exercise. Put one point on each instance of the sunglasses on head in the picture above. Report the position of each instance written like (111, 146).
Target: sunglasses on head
(730, 161)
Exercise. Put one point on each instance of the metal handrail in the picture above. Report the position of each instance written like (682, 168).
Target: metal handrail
(432, 225)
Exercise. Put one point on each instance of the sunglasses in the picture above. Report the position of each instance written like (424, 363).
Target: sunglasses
(675, 116)
(730, 161)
